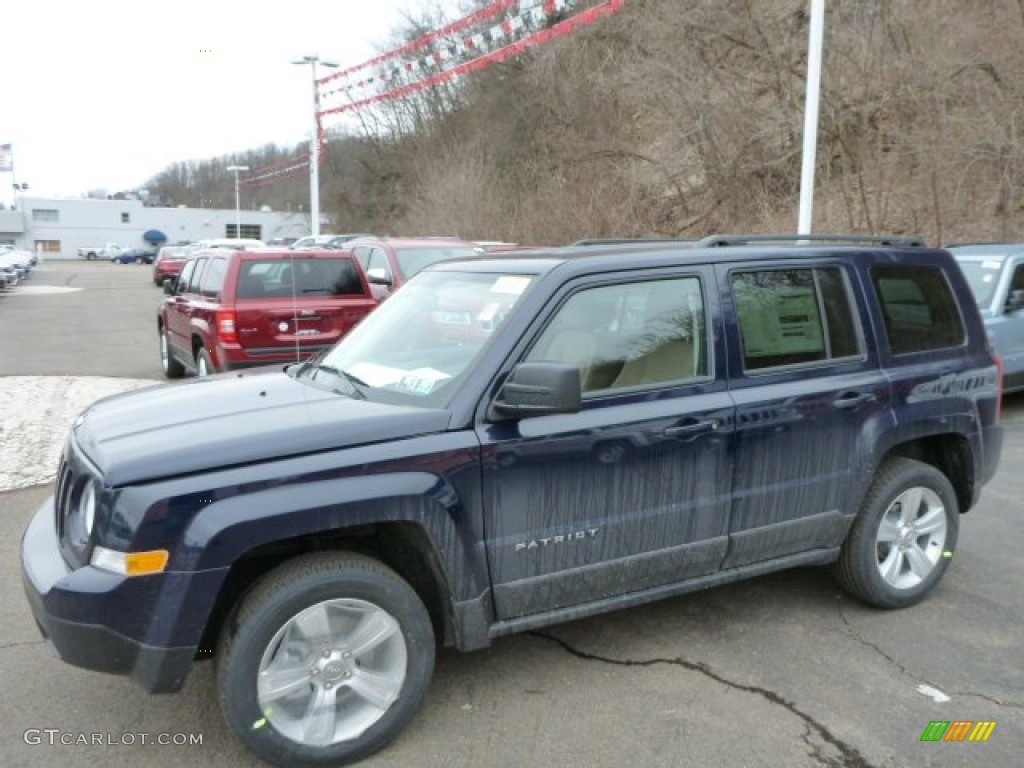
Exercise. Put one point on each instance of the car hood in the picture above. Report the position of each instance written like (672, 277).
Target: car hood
(233, 419)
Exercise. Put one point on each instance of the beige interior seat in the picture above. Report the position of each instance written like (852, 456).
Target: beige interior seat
(668, 352)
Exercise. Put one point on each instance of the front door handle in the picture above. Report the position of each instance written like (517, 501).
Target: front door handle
(691, 428)
(852, 400)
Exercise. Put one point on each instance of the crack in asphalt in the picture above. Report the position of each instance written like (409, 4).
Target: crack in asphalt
(850, 756)
(815, 752)
(853, 633)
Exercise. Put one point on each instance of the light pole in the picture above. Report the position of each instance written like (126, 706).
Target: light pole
(238, 207)
(314, 145)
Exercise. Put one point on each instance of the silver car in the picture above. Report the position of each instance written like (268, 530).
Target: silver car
(995, 272)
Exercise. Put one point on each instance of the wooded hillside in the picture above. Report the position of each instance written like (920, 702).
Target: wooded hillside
(685, 117)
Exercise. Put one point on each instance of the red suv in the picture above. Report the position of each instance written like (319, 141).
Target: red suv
(168, 263)
(236, 309)
(391, 261)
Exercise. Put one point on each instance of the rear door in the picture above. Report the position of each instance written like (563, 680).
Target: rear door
(808, 389)
(305, 302)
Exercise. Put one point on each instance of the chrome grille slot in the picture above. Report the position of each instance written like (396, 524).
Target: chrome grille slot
(65, 485)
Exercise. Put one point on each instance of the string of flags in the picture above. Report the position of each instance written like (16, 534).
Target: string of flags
(490, 35)
(456, 50)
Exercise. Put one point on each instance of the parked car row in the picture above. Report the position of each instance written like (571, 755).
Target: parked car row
(15, 266)
(233, 305)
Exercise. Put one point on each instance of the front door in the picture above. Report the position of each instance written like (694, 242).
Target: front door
(632, 491)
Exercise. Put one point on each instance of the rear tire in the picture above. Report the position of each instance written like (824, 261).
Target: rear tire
(902, 541)
(326, 661)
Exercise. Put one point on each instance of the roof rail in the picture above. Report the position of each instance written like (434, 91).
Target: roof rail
(717, 241)
(979, 242)
(630, 240)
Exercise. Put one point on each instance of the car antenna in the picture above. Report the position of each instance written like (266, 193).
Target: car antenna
(295, 307)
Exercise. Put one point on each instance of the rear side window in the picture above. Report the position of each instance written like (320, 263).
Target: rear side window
(212, 282)
(277, 278)
(794, 316)
(918, 307)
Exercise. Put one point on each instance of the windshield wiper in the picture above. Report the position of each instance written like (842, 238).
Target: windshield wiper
(356, 385)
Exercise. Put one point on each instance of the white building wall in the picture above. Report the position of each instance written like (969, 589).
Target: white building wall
(90, 223)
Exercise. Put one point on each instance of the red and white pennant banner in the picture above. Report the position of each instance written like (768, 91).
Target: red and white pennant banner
(447, 53)
(469, 44)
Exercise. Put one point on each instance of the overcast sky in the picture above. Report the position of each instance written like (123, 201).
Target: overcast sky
(107, 93)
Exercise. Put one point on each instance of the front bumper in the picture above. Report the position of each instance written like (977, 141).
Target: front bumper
(73, 609)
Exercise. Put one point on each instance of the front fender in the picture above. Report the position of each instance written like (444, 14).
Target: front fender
(229, 528)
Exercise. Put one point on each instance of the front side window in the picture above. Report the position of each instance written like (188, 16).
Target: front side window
(197, 274)
(794, 316)
(633, 335)
(918, 308)
(186, 275)
(363, 255)
(378, 260)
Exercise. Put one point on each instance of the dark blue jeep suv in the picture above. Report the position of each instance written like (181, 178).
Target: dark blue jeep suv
(511, 442)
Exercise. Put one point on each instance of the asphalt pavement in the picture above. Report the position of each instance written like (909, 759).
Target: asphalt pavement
(782, 671)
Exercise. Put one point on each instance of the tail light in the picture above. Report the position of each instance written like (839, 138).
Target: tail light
(226, 326)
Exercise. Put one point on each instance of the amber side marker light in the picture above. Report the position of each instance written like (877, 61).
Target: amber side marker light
(130, 563)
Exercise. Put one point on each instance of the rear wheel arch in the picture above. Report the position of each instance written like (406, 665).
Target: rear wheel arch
(949, 453)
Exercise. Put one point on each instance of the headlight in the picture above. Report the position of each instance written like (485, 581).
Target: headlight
(88, 508)
(81, 516)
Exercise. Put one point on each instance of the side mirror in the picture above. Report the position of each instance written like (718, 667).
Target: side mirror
(378, 276)
(1015, 302)
(537, 389)
(170, 285)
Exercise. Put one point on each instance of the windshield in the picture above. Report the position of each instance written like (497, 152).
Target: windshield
(982, 275)
(417, 343)
(413, 260)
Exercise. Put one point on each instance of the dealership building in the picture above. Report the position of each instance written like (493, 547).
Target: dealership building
(58, 227)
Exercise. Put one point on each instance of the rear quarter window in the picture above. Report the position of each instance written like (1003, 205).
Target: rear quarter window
(918, 308)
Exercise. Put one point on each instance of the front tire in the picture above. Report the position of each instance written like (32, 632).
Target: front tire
(204, 365)
(171, 367)
(327, 660)
(901, 543)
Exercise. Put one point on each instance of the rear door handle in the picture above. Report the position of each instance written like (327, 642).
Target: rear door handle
(852, 400)
(691, 428)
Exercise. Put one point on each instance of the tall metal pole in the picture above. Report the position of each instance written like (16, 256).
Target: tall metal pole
(811, 105)
(314, 160)
(238, 204)
(314, 145)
